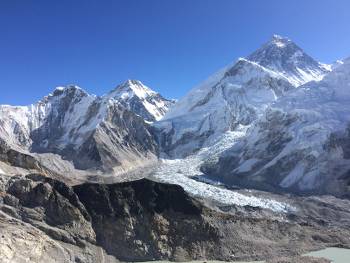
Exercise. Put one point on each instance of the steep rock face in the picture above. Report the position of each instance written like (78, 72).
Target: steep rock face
(140, 99)
(121, 141)
(301, 143)
(108, 134)
(43, 220)
(282, 55)
(236, 96)
(145, 220)
(16, 158)
(62, 215)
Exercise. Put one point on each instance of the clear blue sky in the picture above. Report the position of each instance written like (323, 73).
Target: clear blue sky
(170, 45)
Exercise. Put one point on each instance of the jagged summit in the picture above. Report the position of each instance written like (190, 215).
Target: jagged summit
(277, 36)
(109, 132)
(131, 88)
(93, 132)
(140, 99)
(277, 45)
(301, 142)
(237, 95)
(282, 55)
(69, 89)
(280, 41)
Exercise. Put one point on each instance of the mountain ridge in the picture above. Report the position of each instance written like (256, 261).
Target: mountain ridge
(92, 132)
(235, 96)
(299, 145)
(132, 126)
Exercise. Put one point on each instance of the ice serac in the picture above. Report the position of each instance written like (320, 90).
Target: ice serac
(300, 144)
(236, 96)
(75, 130)
(141, 100)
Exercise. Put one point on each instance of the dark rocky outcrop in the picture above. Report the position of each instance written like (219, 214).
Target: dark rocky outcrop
(145, 220)
(52, 207)
(17, 158)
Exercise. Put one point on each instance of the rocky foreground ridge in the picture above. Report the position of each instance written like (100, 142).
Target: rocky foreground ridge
(46, 220)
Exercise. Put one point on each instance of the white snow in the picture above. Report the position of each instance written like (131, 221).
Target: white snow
(327, 67)
(284, 57)
(238, 94)
(229, 106)
(75, 121)
(60, 88)
(318, 109)
(180, 171)
(220, 195)
(131, 88)
(150, 99)
(241, 93)
(279, 41)
(214, 109)
(19, 121)
(336, 64)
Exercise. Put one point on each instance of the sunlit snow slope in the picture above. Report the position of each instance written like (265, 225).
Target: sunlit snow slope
(301, 143)
(109, 133)
(237, 95)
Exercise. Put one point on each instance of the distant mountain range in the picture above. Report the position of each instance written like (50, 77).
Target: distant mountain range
(278, 120)
(70, 130)
(285, 113)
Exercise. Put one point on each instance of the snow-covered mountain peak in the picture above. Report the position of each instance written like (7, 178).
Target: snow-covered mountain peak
(243, 76)
(276, 44)
(280, 41)
(300, 142)
(140, 99)
(285, 57)
(336, 64)
(131, 88)
(237, 95)
(63, 91)
(68, 88)
(279, 58)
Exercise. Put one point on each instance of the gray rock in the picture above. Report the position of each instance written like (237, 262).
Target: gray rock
(144, 220)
